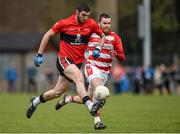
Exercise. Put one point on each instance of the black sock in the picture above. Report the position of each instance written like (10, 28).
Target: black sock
(42, 98)
(86, 98)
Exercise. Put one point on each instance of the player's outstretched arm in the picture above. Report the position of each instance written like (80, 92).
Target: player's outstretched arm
(45, 40)
(96, 52)
(39, 56)
(102, 39)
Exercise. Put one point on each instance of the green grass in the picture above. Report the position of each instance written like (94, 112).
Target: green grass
(122, 113)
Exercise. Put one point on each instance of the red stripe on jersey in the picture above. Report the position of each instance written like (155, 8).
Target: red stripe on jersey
(91, 48)
(102, 68)
(106, 51)
(100, 59)
(94, 39)
(109, 41)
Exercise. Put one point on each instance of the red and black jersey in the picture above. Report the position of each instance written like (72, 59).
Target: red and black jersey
(74, 37)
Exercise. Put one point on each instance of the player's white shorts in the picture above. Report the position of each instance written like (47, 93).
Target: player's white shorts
(92, 72)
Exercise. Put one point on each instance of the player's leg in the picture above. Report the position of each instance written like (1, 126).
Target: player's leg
(78, 99)
(95, 77)
(73, 99)
(62, 64)
(72, 72)
(61, 86)
(68, 99)
(92, 85)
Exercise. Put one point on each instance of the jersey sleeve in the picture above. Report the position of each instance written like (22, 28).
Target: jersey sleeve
(58, 26)
(96, 29)
(119, 48)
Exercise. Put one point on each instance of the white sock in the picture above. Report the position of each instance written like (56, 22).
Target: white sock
(97, 119)
(36, 101)
(68, 99)
(89, 104)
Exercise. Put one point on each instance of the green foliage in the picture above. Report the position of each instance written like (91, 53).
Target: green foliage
(164, 16)
(122, 114)
(33, 15)
(40, 15)
(164, 27)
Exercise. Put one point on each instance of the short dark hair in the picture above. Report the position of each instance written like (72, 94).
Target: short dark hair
(83, 6)
(104, 15)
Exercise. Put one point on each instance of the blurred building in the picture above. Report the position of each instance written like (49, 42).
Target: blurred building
(30, 17)
(19, 49)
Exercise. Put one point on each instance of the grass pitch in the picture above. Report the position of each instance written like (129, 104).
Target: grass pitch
(122, 114)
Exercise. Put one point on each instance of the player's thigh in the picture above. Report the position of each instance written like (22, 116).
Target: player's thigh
(73, 72)
(93, 84)
(94, 76)
(96, 81)
(62, 84)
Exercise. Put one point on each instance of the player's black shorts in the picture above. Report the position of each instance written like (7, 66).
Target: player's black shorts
(62, 63)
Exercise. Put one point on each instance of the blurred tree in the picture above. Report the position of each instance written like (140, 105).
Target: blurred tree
(165, 27)
(33, 15)
(128, 28)
(177, 5)
(38, 16)
(164, 15)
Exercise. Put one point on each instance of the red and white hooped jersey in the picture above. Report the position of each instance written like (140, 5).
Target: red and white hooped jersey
(112, 42)
(74, 37)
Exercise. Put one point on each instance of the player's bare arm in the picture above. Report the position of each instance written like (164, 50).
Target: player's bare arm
(96, 52)
(45, 40)
(102, 40)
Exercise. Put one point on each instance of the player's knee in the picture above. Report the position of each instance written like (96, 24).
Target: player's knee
(91, 86)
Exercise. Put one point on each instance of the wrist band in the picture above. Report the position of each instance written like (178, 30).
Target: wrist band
(40, 55)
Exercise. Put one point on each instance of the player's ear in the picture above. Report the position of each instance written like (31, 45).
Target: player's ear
(77, 11)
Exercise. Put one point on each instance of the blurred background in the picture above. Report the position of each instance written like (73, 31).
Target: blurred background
(150, 32)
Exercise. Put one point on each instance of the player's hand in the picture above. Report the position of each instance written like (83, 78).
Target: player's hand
(113, 53)
(38, 59)
(96, 52)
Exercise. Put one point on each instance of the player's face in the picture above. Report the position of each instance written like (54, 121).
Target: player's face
(105, 25)
(82, 16)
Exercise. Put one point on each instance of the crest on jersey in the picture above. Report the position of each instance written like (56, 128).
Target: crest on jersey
(78, 38)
